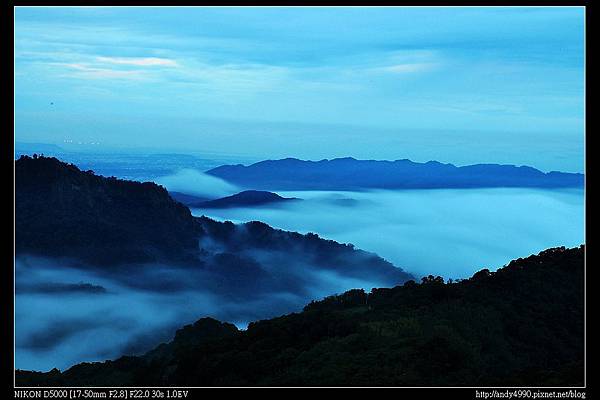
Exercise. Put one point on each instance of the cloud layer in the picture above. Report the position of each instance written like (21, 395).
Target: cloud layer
(452, 233)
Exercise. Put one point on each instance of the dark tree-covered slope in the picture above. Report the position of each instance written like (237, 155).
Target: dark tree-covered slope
(293, 251)
(62, 211)
(521, 325)
(351, 174)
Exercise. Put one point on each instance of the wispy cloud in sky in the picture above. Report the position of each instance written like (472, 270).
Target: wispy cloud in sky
(115, 67)
(142, 62)
(514, 74)
(407, 68)
(87, 71)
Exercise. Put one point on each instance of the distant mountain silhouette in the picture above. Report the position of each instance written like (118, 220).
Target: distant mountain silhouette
(522, 325)
(247, 198)
(187, 199)
(351, 174)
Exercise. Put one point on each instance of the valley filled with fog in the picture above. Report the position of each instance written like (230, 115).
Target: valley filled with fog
(67, 312)
(451, 233)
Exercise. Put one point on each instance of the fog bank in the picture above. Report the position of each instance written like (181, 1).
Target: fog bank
(451, 233)
(192, 181)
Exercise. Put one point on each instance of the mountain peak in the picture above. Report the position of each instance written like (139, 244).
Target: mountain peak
(244, 199)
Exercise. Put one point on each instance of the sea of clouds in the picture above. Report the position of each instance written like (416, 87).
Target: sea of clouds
(67, 313)
(452, 233)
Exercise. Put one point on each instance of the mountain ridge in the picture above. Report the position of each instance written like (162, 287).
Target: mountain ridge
(63, 211)
(349, 173)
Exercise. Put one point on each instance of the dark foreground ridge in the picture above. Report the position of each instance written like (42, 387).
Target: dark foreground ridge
(65, 212)
(519, 326)
(351, 174)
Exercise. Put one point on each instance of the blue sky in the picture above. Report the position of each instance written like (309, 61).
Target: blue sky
(461, 85)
